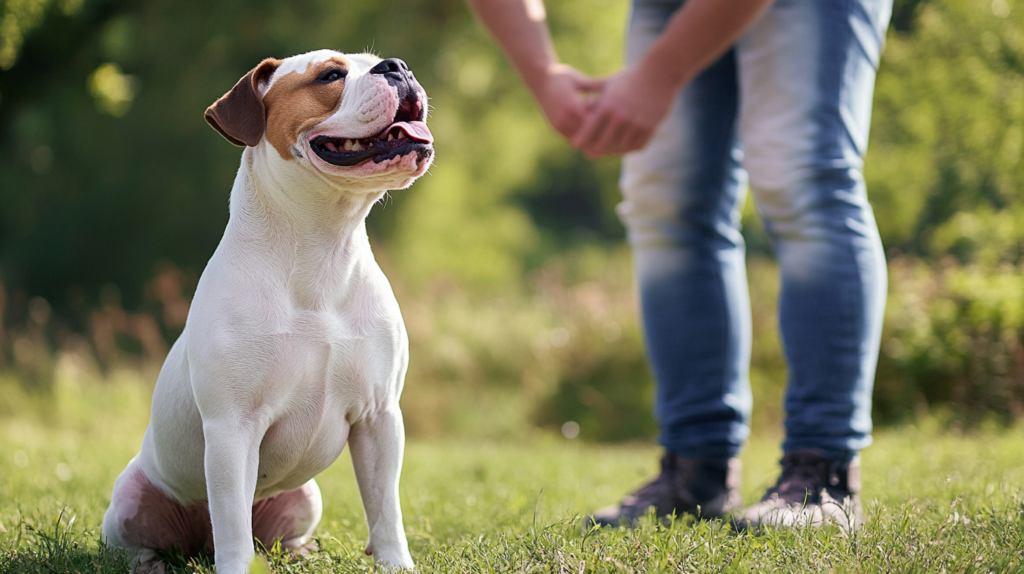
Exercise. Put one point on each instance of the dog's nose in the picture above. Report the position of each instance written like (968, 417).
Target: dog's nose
(399, 76)
(390, 66)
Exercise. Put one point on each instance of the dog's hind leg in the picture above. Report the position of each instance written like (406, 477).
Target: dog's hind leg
(289, 517)
(377, 445)
(143, 519)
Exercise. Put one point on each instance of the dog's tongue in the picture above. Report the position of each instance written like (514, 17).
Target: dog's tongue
(415, 130)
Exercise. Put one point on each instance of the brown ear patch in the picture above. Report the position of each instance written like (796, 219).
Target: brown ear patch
(240, 115)
(298, 101)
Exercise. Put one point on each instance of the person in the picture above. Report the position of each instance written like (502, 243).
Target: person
(715, 96)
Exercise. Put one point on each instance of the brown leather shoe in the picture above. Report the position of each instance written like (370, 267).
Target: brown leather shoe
(703, 488)
(812, 491)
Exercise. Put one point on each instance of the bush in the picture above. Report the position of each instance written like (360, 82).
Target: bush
(954, 337)
(565, 346)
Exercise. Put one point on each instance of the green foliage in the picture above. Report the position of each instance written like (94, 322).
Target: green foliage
(108, 167)
(954, 337)
(463, 222)
(948, 128)
(567, 349)
(592, 365)
(20, 17)
(113, 193)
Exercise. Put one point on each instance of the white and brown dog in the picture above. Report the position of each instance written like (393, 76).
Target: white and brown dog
(294, 343)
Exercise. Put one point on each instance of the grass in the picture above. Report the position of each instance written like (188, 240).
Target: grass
(938, 500)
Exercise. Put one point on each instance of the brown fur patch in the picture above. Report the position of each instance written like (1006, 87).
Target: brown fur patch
(239, 115)
(296, 102)
(161, 523)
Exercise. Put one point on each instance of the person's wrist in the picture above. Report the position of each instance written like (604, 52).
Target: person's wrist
(538, 76)
(662, 73)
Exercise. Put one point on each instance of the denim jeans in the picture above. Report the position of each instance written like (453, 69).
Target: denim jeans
(786, 110)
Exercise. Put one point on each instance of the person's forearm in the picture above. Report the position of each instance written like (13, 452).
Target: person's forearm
(520, 27)
(700, 32)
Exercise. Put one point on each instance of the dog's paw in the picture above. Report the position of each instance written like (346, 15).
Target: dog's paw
(146, 561)
(301, 546)
(392, 558)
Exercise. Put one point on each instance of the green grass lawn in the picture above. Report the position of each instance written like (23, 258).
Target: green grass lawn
(937, 501)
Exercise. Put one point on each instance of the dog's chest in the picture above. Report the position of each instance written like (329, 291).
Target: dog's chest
(337, 371)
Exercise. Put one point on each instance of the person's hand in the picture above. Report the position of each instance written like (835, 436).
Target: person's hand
(626, 112)
(563, 94)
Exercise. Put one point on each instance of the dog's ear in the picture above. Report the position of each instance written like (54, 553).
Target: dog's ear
(239, 115)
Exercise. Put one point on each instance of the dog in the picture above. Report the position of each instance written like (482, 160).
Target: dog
(294, 343)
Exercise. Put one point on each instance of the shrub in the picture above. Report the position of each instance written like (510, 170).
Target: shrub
(954, 337)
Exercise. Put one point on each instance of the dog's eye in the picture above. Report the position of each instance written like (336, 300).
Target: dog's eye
(332, 75)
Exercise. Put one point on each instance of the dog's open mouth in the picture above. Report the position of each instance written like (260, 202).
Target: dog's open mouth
(408, 133)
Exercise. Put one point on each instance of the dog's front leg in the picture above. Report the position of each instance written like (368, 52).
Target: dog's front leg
(232, 463)
(377, 444)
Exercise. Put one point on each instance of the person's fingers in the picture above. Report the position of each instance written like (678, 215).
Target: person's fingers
(589, 101)
(568, 125)
(637, 139)
(575, 113)
(591, 128)
(588, 84)
(621, 136)
(563, 107)
(609, 141)
(614, 119)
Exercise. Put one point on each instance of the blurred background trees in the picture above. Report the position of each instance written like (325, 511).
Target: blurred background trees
(508, 257)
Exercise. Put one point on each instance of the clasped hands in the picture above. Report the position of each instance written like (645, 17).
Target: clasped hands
(604, 116)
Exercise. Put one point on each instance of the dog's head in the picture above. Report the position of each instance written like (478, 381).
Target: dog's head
(354, 118)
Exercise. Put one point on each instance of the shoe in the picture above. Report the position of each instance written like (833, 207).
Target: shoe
(703, 488)
(812, 491)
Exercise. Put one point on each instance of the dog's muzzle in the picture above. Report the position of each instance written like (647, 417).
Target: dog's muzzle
(408, 132)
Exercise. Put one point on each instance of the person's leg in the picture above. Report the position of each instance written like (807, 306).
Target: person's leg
(681, 198)
(807, 71)
(682, 195)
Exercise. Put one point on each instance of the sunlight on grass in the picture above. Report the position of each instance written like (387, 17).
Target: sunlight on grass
(937, 499)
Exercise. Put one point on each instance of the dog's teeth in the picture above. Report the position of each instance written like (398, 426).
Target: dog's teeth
(391, 137)
(347, 145)
(356, 146)
(401, 135)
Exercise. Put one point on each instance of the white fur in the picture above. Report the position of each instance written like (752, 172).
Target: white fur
(293, 328)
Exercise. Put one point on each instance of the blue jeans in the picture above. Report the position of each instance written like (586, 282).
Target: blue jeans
(788, 107)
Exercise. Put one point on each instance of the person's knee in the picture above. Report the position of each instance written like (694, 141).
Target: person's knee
(671, 213)
(814, 202)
